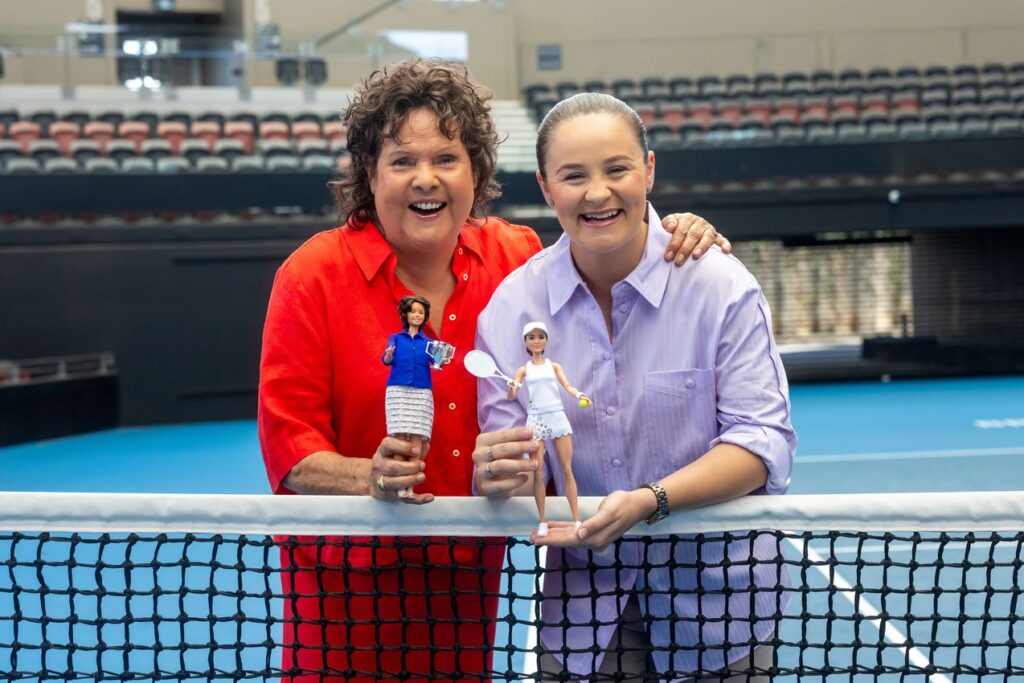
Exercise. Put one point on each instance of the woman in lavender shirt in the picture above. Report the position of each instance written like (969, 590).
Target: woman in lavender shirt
(692, 409)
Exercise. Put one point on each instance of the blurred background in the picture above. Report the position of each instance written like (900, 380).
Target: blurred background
(159, 159)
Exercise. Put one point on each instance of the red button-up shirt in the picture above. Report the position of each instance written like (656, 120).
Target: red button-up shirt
(332, 309)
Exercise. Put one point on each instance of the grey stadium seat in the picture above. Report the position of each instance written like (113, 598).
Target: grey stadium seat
(156, 149)
(212, 165)
(100, 165)
(60, 165)
(173, 165)
(82, 150)
(247, 164)
(22, 166)
(119, 150)
(137, 165)
(282, 164)
(318, 162)
(194, 149)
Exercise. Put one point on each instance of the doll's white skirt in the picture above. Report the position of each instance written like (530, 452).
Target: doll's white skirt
(409, 410)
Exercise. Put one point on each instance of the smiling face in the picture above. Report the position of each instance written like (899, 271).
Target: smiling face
(422, 186)
(417, 315)
(536, 342)
(596, 177)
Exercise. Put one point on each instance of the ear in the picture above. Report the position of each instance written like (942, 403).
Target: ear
(649, 171)
(544, 189)
(371, 173)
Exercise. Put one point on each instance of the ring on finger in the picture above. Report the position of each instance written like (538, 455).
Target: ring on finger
(380, 482)
(490, 454)
(490, 472)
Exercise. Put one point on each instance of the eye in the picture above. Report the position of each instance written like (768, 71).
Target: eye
(402, 162)
(572, 177)
(447, 160)
(617, 170)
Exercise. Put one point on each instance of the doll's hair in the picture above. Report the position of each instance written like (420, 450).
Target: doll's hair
(581, 105)
(405, 305)
(382, 104)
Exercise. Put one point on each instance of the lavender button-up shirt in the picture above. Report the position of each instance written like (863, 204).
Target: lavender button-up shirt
(691, 362)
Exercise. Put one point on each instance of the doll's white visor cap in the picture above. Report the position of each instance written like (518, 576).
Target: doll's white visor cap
(535, 325)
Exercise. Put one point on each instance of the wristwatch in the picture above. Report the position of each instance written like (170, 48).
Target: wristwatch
(662, 510)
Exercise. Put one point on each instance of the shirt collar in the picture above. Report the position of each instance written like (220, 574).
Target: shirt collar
(649, 278)
(371, 251)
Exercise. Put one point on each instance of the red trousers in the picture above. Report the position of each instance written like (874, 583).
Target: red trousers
(360, 609)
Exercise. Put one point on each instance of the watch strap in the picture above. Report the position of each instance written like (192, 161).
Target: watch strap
(661, 512)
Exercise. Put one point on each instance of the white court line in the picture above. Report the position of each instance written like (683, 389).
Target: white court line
(910, 455)
(861, 604)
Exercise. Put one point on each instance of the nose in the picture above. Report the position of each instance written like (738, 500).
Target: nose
(597, 192)
(425, 178)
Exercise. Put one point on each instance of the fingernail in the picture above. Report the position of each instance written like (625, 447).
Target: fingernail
(582, 533)
(420, 477)
(697, 253)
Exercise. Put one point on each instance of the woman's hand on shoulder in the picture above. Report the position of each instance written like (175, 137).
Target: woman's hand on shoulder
(691, 235)
(499, 468)
(395, 468)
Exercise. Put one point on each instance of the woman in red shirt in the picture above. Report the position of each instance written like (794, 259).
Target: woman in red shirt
(423, 149)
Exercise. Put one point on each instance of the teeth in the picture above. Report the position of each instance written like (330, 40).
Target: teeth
(600, 216)
(428, 206)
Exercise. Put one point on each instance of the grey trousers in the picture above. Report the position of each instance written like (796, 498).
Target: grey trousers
(634, 660)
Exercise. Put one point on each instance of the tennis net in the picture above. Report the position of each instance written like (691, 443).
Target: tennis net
(196, 587)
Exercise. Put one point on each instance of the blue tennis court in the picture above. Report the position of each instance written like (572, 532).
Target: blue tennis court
(902, 436)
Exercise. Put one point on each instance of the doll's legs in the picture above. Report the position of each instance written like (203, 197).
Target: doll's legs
(540, 489)
(563, 447)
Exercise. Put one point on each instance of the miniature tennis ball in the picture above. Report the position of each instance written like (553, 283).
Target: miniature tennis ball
(584, 403)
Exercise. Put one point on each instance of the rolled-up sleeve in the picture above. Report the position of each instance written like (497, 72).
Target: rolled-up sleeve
(753, 393)
(295, 413)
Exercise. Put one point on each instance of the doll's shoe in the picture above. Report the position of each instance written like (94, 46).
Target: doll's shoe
(542, 530)
(576, 528)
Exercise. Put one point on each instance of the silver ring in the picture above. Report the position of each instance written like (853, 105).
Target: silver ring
(490, 454)
(490, 472)
(380, 482)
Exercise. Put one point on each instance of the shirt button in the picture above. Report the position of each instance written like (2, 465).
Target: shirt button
(616, 462)
(623, 308)
(451, 406)
(690, 384)
(610, 410)
(455, 452)
(451, 317)
(607, 356)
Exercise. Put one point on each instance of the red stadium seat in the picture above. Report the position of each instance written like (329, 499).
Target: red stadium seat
(173, 132)
(242, 131)
(207, 131)
(136, 131)
(100, 132)
(306, 130)
(64, 133)
(274, 130)
(335, 130)
(25, 132)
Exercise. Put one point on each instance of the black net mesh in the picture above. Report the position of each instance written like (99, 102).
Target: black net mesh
(815, 606)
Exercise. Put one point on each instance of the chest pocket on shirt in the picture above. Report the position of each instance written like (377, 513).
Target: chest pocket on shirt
(681, 413)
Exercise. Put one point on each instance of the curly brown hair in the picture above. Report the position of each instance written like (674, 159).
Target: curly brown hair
(380, 107)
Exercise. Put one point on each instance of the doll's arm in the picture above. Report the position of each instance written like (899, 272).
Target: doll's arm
(564, 381)
(513, 389)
